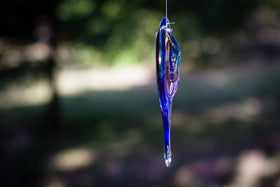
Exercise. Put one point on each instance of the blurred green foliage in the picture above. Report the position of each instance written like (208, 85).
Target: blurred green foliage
(72, 9)
(119, 31)
(123, 31)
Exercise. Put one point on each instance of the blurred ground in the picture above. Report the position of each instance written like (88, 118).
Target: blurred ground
(225, 132)
(79, 104)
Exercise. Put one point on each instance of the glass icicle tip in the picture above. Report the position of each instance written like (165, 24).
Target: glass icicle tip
(167, 157)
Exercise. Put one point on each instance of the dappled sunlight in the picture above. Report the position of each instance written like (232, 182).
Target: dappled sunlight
(243, 111)
(252, 166)
(27, 94)
(54, 182)
(184, 176)
(73, 159)
(16, 54)
(37, 52)
(73, 82)
(118, 78)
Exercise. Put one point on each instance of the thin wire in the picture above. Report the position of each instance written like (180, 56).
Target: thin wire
(166, 8)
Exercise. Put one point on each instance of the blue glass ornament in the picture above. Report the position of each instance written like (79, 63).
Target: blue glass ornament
(168, 56)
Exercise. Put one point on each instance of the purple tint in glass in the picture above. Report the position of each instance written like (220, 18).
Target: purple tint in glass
(167, 64)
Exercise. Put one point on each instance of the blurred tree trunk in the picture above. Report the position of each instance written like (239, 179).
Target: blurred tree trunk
(45, 32)
(53, 113)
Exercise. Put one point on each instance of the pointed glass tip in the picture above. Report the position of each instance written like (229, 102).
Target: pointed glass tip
(167, 157)
(168, 161)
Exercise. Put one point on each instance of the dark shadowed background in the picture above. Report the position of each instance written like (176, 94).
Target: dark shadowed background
(79, 104)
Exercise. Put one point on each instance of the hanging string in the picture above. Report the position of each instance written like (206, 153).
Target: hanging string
(166, 13)
(166, 8)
